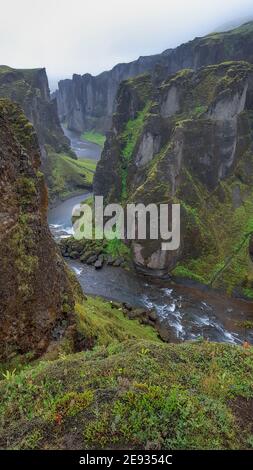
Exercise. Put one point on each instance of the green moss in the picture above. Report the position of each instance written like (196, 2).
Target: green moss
(94, 137)
(132, 395)
(185, 272)
(67, 176)
(142, 85)
(99, 321)
(31, 441)
(116, 248)
(24, 254)
(72, 403)
(129, 140)
(222, 261)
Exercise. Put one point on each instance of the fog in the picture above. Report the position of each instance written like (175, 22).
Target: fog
(82, 36)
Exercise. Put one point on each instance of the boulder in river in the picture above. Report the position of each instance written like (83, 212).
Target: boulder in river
(92, 259)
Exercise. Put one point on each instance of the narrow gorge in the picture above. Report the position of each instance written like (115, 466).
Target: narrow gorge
(110, 344)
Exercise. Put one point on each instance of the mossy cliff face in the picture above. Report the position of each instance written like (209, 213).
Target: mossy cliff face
(189, 141)
(36, 301)
(88, 102)
(29, 88)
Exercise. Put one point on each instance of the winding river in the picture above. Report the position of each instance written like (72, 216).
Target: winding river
(187, 313)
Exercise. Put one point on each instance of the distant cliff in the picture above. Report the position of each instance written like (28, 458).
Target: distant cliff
(88, 102)
(29, 88)
(36, 302)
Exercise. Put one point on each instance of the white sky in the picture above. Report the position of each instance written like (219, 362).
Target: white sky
(80, 36)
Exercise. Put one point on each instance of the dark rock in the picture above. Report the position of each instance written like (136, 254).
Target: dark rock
(29, 88)
(116, 305)
(152, 315)
(92, 259)
(74, 254)
(88, 102)
(99, 263)
(36, 301)
(118, 262)
(127, 307)
(110, 260)
(85, 256)
(200, 160)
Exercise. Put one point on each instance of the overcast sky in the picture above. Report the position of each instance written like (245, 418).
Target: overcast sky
(79, 36)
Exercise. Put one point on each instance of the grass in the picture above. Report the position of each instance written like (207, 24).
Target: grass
(68, 176)
(133, 393)
(94, 137)
(105, 325)
(129, 390)
(129, 138)
(88, 163)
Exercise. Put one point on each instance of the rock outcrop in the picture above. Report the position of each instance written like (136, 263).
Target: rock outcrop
(88, 102)
(29, 88)
(36, 302)
(188, 141)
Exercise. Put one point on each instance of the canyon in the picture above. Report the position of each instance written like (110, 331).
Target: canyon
(82, 365)
(188, 140)
(88, 102)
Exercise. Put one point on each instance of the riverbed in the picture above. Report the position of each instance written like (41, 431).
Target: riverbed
(188, 313)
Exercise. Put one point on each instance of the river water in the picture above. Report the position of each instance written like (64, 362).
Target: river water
(82, 148)
(186, 312)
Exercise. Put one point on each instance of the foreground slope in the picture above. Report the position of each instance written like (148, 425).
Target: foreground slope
(132, 395)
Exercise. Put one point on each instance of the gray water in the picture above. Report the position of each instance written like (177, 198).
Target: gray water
(83, 148)
(59, 217)
(187, 312)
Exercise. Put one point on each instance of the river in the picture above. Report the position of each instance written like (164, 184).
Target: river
(83, 148)
(187, 312)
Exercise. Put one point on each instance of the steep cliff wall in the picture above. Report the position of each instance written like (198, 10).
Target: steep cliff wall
(36, 302)
(88, 102)
(29, 88)
(189, 141)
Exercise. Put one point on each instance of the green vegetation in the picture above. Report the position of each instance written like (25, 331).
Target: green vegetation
(24, 254)
(116, 248)
(129, 139)
(88, 163)
(221, 261)
(68, 176)
(130, 393)
(83, 249)
(105, 325)
(94, 137)
(240, 31)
